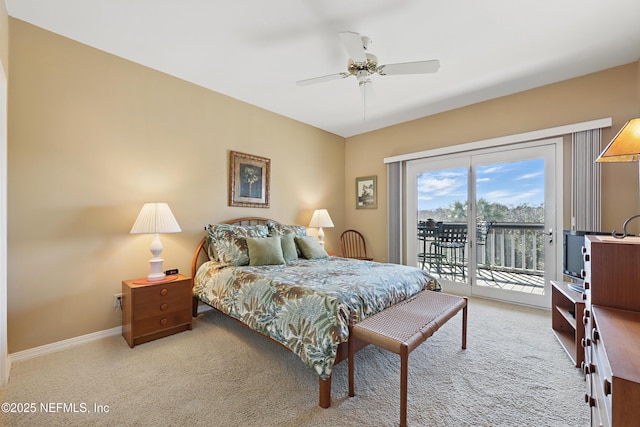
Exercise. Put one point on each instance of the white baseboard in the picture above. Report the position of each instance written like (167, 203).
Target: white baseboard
(62, 345)
(72, 342)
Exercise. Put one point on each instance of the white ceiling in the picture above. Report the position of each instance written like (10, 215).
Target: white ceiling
(255, 50)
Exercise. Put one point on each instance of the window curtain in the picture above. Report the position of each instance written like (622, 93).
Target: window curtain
(585, 185)
(394, 212)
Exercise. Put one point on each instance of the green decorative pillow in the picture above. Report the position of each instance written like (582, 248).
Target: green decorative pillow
(265, 250)
(289, 249)
(310, 247)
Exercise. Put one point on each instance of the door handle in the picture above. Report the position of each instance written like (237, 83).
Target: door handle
(550, 234)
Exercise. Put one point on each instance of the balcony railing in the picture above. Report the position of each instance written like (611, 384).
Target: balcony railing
(516, 248)
(506, 247)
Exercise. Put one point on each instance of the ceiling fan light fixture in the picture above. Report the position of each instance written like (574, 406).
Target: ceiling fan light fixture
(370, 66)
(362, 76)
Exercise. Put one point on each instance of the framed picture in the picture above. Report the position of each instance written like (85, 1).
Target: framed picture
(249, 180)
(367, 192)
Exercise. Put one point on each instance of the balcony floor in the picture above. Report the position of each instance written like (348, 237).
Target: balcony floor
(510, 281)
(517, 282)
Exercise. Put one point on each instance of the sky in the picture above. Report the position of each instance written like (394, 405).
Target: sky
(509, 184)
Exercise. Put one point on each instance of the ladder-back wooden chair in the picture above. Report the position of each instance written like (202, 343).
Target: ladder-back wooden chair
(353, 246)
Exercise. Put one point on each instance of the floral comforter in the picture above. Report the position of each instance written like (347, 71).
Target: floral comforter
(306, 304)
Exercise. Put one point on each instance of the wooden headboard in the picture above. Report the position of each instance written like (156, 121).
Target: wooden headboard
(201, 253)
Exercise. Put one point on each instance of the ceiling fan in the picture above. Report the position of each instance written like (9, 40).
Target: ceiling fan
(363, 64)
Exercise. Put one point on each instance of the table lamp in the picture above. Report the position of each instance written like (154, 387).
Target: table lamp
(320, 219)
(155, 218)
(624, 147)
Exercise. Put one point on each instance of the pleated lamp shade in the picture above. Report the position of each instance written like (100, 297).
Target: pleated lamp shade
(320, 219)
(155, 218)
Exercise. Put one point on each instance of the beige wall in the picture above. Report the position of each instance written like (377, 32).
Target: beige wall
(611, 93)
(91, 138)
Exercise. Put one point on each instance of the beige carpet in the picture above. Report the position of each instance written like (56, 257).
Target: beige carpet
(513, 373)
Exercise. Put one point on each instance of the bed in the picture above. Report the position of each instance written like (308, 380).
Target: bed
(279, 282)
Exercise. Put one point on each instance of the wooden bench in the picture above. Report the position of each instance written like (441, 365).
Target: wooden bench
(402, 327)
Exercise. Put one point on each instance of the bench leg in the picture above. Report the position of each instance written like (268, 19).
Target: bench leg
(464, 323)
(351, 361)
(404, 375)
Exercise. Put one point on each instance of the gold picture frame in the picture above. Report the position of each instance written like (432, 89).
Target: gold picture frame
(249, 178)
(367, 192)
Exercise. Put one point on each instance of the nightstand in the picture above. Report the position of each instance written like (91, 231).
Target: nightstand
(152, 310)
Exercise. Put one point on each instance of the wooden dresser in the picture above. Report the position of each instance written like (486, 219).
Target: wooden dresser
(612, 330)
(152, 310)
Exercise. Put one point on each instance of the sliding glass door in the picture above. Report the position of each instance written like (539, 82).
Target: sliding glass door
(442, 189)
(484, 223)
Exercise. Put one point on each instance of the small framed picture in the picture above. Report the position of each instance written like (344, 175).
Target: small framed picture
(249, 180)
(367, 192)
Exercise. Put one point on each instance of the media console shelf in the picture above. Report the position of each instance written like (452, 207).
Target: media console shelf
(566, 319)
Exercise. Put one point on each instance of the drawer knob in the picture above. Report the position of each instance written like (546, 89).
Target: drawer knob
(595, 336)
(164, 291)
(164, 306)
(585, 285)
(163, 321)
(590, 400)
(606, 385)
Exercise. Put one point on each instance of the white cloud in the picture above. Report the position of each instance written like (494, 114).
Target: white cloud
(442, 184)
(511, 197)
(529, 176)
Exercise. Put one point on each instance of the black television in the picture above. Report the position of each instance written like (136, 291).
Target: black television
(572, 256)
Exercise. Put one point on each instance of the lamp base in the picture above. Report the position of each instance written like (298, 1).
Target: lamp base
(156, 270)
(321, 236)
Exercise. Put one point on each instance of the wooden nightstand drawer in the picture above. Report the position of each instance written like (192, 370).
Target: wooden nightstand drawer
(154, 310)
(167, 320)
(154, 300)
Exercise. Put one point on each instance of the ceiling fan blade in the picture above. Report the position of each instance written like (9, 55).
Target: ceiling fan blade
(354, 46)
(418, 67)
(322, 79)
